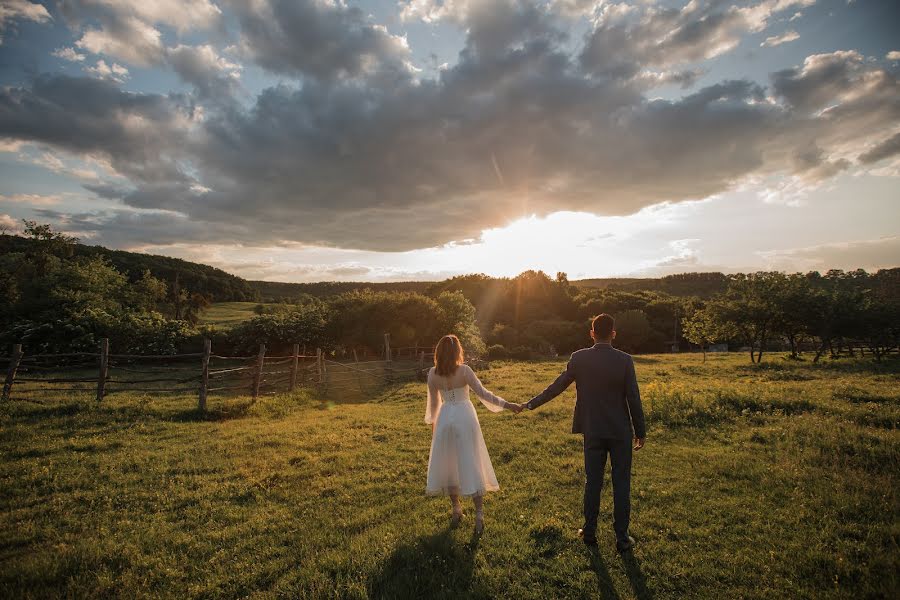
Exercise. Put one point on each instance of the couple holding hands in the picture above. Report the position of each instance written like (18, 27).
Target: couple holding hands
(607, 412)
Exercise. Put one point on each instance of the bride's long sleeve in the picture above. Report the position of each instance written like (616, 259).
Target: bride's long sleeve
(491, 401)
(434, 400)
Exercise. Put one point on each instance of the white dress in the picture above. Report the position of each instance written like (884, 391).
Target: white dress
(459, 461)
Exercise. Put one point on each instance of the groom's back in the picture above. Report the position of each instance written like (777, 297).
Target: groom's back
(605, 388)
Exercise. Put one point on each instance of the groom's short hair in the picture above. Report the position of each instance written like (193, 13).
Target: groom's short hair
(603, 325)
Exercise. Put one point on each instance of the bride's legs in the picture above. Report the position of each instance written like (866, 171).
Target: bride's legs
(455, 505)
(479, 512)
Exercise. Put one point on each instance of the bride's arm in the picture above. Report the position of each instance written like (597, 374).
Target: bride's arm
(490, 400)
(434, 401)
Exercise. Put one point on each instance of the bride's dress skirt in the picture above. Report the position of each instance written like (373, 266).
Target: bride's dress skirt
(459, 461)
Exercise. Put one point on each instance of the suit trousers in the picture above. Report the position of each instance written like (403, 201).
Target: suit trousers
(595, 451)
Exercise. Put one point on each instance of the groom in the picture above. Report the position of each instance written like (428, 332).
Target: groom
(607, 406)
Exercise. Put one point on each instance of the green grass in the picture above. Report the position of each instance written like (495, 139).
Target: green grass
(757, 481)
(228, 314)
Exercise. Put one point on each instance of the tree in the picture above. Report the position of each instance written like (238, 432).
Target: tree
(632, 329)
(749, 308)
(702, 328)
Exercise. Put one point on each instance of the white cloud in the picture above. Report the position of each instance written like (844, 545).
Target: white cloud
(21, 9)
(115, 71)
(10, 145)
(8, 223)
(129, 39)
(68, 54)
(31, 199)
(870, 255)
(777, 40)
(893, 55)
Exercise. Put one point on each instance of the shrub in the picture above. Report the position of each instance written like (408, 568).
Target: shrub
(497, 352)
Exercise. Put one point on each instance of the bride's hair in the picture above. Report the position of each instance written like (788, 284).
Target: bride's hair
(448, 354)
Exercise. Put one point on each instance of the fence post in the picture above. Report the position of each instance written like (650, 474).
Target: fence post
(104, 369)
(318, 365)
(422, 365)
(358, 378)
(14, 361)
(294, 367)
(257, 375)
(387, 354)
(204, 376)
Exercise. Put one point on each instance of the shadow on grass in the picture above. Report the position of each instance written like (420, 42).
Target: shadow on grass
(223, 412)
(604, 581)
(636, 577)
(433, 566)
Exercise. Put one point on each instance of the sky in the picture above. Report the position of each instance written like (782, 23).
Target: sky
(310, 140)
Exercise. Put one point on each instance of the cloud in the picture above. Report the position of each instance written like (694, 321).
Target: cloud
(129, 31)
(777, 40)
(316, 38)
(211, 74)
(358, 153)
(68, 54)
(881, 253)
(893, 55)
(115, 71)
(30, 199)
(826, 80)
(129, 39)
(8, 224)
(628, 38)
(885, 149)
(138, 134)
(12, 10)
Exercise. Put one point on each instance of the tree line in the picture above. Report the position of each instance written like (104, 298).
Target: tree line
(824, 313)
(54, 297)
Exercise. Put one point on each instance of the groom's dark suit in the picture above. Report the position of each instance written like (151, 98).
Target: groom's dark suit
(607, 407)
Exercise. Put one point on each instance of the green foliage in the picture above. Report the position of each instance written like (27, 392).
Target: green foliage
(281, 330)
(57, 300)
(212, 283)
(632, 330)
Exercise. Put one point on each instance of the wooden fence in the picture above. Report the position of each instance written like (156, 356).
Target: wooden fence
(103, 373)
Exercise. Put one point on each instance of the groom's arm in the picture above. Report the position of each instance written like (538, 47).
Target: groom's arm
(554, 389)
(633, 398)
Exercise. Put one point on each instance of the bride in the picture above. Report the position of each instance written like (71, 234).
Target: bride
(458, 464)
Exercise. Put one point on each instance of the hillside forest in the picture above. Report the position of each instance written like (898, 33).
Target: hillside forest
(58, 295)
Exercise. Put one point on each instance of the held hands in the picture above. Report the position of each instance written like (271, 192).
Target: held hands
(516, 408)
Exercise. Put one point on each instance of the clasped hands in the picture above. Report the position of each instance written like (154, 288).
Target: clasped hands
(516, 408)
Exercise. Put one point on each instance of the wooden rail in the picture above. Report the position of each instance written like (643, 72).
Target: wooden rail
(115, 373)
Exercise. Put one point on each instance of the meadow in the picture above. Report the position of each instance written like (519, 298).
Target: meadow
(758, 481)
(228, 314)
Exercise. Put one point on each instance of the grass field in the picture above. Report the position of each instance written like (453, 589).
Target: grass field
(757, 481)
(228, 314)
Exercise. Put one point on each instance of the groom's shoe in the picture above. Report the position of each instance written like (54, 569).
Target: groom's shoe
(625, 545)
(589, 538)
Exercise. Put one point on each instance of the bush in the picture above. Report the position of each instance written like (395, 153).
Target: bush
(281, 330)
(497, 352)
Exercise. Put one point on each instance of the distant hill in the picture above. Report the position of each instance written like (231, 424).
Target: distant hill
(683, 284)
(213, 283)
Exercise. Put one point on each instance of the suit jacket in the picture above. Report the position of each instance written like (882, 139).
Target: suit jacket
(607, 400)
